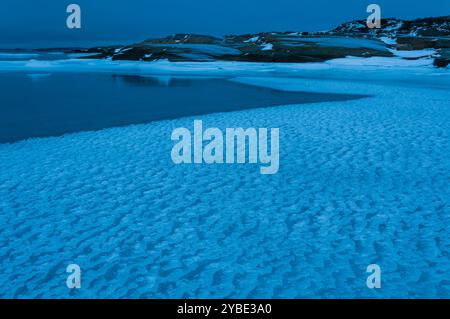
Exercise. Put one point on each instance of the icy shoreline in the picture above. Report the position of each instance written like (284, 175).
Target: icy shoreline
(399, 71)
(217, 67)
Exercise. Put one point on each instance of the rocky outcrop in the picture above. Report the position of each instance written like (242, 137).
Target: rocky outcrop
(443, 58)
(425, 27)
(263, 47)
(349, 39)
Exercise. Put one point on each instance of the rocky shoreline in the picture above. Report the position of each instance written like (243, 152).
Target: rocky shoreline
(349, 39)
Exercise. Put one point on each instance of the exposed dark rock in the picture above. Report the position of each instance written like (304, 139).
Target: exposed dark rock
(443, 58)
(420, 43)
(184, 38)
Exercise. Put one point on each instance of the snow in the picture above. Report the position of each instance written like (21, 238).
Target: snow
(414, 53)
(253, 39)
(388, 40)
(383, 62)
(363, 181)
(121, 50)
(267, 46)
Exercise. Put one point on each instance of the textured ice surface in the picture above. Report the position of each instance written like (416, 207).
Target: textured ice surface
(216, 68)
(360, 182)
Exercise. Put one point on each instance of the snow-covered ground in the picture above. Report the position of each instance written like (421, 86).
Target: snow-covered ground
(360, 182)
(414, 53)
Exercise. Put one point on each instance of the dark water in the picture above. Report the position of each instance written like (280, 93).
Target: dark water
(40, 105)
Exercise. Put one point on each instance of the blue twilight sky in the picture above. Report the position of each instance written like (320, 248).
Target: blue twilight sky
(43, 22)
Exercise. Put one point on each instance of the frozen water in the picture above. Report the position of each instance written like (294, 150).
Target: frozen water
(14, 56)
(360, 182)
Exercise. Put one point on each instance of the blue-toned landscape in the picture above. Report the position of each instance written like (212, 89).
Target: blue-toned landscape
(86, 175)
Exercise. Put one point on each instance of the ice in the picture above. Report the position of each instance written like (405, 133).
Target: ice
(360, 182)
(164, 67)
